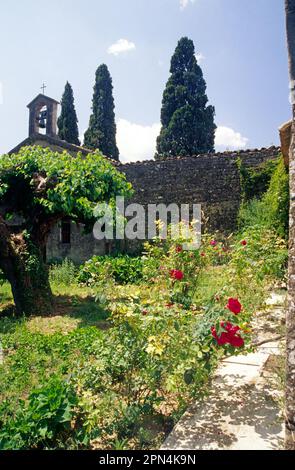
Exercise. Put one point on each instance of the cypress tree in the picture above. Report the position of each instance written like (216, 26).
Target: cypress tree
(188, 126)
(67, 122)
(101, 133)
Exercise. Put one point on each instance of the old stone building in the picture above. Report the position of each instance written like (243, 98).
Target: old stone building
(211, 180)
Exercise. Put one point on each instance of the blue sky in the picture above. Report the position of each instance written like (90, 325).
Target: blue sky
(241, 44)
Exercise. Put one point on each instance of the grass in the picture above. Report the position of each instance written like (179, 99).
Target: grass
(37, 346)
(74, 304)
(5, 296)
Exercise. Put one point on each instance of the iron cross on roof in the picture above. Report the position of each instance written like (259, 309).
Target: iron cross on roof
(43, 87)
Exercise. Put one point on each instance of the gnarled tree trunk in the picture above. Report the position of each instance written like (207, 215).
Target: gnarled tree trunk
(23, 266)
(290, 362)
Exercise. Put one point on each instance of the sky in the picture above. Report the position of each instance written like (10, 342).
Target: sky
(240, 45)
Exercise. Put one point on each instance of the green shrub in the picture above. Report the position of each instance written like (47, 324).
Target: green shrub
(64, 273)
(255, 181)
(276, 201)
(122, 269)
(265, 255)
(272, 210)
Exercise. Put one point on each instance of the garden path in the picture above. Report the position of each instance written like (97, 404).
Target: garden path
(243, 410)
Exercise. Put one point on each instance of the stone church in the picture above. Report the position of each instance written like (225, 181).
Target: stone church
(212, 180)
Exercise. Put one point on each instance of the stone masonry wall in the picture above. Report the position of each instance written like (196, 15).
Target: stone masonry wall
(210, 180)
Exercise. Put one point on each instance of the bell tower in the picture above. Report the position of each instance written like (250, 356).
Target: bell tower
(43, 116)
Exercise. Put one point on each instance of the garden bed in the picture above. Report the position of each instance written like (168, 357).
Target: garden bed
(116, 365)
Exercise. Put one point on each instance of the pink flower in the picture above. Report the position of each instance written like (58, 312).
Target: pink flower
(213, 243)
(234, 306)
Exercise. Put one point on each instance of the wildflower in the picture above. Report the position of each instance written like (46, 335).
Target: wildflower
(244, 242)
(179, 249)
(213, 243)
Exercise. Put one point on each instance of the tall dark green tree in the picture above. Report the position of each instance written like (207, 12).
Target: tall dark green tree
(101, 133)
(67, 122)
(188, 126)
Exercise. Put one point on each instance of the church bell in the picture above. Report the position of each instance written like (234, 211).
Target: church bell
(42, 119)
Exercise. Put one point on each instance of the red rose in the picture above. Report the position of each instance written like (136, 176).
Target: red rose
(176, 274)
(179, 249)
(229, 327)
(236, 341)
(229, 336)
(222, 339)
(244, 242)
(234, 306)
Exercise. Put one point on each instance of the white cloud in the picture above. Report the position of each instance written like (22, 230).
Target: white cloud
(122, 45)
(227, 138)
(136, 142)
(200, 57)
(185, 3)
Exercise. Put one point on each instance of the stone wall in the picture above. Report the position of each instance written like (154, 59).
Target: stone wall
(82, 247)
(210, 180)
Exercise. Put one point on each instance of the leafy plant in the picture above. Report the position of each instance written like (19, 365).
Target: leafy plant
(123, 269)
(48, 420)
(272, 210)
(64, 273)
(255, 181)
